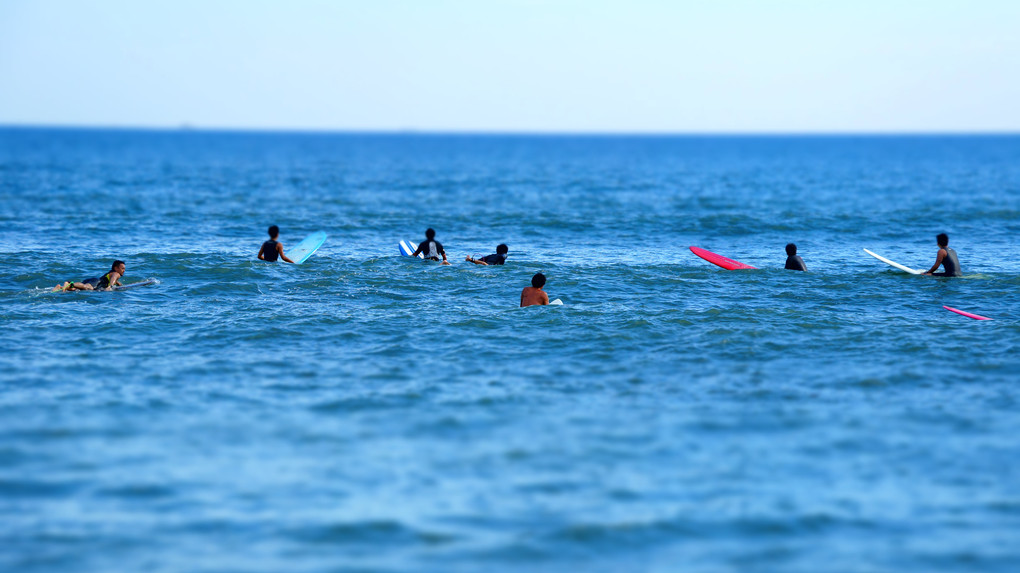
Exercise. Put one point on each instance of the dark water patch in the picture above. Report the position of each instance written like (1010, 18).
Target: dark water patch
(358, 404)
(137, 491)
(40, 488)
(379, 534)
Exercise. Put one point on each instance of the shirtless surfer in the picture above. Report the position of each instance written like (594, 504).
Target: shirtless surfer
(534, 294)
(945, 257)
(273, 249)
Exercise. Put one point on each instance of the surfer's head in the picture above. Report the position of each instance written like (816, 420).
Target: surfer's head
(274, 232)
(502, 249)
(118, 266)
(791, 249)
(538, 281)
(942, 239)
(430, 234)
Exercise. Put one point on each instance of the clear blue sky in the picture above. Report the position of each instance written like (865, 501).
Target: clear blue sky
(514, 65)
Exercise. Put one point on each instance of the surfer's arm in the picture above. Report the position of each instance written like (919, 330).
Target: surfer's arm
(114, 281)
(262, 250)
(476, 261)
(279, 249)
(938, 261)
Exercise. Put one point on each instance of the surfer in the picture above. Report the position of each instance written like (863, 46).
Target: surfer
(945, 257)
(273, 249)
(498, 259)
(794, 262)
(430, 248)
(534, 294)
(110, 279)
(105, 282)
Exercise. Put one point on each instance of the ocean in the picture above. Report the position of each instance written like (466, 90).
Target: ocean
(368, 412)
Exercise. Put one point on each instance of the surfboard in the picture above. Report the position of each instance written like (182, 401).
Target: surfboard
(408, 248)
(720, 260)
(146, 282)
(307, 247)
(556, 302)
(895, 264)
(967, 314)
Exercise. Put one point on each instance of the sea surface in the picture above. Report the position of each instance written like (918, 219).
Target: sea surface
(368, 412)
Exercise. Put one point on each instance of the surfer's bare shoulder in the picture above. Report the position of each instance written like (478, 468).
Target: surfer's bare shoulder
(531, 296)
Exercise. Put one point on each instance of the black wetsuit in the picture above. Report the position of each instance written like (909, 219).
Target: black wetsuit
(795, 263)
(951, 264)
(431, 249)
(98, 283)
(269, 251)
(496, 259)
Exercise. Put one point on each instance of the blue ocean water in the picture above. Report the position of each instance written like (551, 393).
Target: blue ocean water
(367, 412)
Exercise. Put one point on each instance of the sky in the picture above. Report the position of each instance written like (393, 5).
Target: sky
(593, 66)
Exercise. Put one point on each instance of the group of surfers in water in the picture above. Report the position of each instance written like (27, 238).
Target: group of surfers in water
(431, 249)
(945, 258)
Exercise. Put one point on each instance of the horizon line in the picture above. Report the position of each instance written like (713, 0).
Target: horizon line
(190, 128)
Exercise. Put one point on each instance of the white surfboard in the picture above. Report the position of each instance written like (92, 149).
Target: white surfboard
(146, 282)
(895, 264)
(408, 248)
(556, 302)
(307, 247)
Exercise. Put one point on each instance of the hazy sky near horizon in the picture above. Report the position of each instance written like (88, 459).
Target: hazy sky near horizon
(514, 65)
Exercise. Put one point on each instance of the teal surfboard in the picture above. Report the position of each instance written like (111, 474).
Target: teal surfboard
(307, 247)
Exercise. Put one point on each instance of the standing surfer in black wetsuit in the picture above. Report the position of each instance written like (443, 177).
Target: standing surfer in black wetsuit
(431, 248)
(273, 249)
(794, 262)
(945, 257)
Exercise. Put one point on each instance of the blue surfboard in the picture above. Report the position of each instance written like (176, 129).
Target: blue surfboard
(408, 248)
(307, 247)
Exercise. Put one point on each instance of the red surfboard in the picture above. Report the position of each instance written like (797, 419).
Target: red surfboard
(720, 260)
(967, 314)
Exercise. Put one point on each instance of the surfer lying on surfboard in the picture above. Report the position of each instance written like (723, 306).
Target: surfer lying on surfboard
(498, 259)
(105, 282)
(273, 249)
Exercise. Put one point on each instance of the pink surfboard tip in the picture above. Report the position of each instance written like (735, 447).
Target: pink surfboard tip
(967, 314)
(720, 260)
